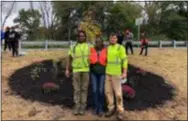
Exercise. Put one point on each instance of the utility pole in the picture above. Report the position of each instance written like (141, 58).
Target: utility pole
(138, 32)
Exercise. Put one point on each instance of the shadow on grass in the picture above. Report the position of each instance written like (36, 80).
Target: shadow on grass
(151, 89)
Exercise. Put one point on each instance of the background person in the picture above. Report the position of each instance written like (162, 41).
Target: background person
(120, 37)
(7, 42)
(144, 43)
(129, 39)
(14, 37)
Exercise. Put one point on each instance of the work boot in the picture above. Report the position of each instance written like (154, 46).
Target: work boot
(82, 110)
(120, 116)
(76, 110)
(109, 113)
(100, 114)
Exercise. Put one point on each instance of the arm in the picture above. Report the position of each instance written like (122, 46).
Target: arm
(124, 59)
(68, 63)
(132, 35)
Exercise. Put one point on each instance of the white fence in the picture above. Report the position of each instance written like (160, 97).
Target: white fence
(65, 44)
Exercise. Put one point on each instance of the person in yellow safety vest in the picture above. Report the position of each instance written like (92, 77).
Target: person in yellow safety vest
(116, 61)
(79, 61)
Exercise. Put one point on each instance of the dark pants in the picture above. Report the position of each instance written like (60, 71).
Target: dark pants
(14, 45)
(145, 46)
(7, 43)
(127, 46)
(98, 91)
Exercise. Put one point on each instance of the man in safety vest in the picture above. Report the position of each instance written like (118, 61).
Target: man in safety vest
(116, 61)
(79, 61)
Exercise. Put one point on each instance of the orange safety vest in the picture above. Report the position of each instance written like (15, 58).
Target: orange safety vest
(94, 57)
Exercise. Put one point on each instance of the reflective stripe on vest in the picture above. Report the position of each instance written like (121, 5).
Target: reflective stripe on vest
(117, 58)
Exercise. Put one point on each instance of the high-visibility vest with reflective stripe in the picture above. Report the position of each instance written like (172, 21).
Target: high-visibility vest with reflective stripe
(80, 54)
(114, 62)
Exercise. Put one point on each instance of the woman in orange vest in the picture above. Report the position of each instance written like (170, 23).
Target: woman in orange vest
(97, 58)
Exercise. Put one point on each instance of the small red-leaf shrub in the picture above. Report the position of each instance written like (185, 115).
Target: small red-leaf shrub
(50, 86)
(141, 71)
(128, 91)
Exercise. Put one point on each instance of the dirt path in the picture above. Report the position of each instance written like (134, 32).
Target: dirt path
(171, 64)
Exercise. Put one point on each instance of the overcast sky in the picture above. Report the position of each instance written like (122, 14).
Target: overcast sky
(26, 5)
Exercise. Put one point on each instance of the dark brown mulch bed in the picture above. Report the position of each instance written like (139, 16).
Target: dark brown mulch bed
(151, 89)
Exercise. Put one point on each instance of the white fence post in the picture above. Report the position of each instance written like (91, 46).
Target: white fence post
(174, 43)
(160, 44)
(71, 43)
(46, 45)
(19, 45)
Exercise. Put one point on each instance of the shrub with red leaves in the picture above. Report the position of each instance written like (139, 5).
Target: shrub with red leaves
(50, 86)
(128, 92)
(141, 71)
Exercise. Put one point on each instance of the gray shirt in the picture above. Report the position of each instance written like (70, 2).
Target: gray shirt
(129, 37)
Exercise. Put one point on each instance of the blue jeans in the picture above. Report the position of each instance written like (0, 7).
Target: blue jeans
(98, 91)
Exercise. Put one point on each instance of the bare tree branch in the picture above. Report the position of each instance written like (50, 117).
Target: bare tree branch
(43, 14)
(8, 13)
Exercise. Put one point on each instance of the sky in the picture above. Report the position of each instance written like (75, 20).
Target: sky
(26, 5)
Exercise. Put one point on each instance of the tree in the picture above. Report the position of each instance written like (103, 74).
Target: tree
(49, 19)
(29, 21)
(122, 15)
(167, 20)
(174, 19)
(7, 8)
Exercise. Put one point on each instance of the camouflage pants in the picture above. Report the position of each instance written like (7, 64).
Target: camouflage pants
(80, 85)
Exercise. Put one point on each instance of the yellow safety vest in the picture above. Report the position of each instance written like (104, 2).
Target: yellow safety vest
(80, 54)
(116, 59)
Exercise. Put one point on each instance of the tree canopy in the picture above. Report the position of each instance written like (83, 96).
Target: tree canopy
(163, 20)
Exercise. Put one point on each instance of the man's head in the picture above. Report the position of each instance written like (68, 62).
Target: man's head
(99, 42)
(81, 36)
(119, 32)
(7, 28)
(113, 38)
(127, 31)
(143, 34)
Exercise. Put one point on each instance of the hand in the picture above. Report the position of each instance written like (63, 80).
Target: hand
(67, 73)
(124, 75)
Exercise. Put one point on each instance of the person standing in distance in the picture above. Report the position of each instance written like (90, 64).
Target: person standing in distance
(14, 39)
(120, 38)
(144, 43)
(7, 41)
(129, 39)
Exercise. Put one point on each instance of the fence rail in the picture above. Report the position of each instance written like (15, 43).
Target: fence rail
(65, 44)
